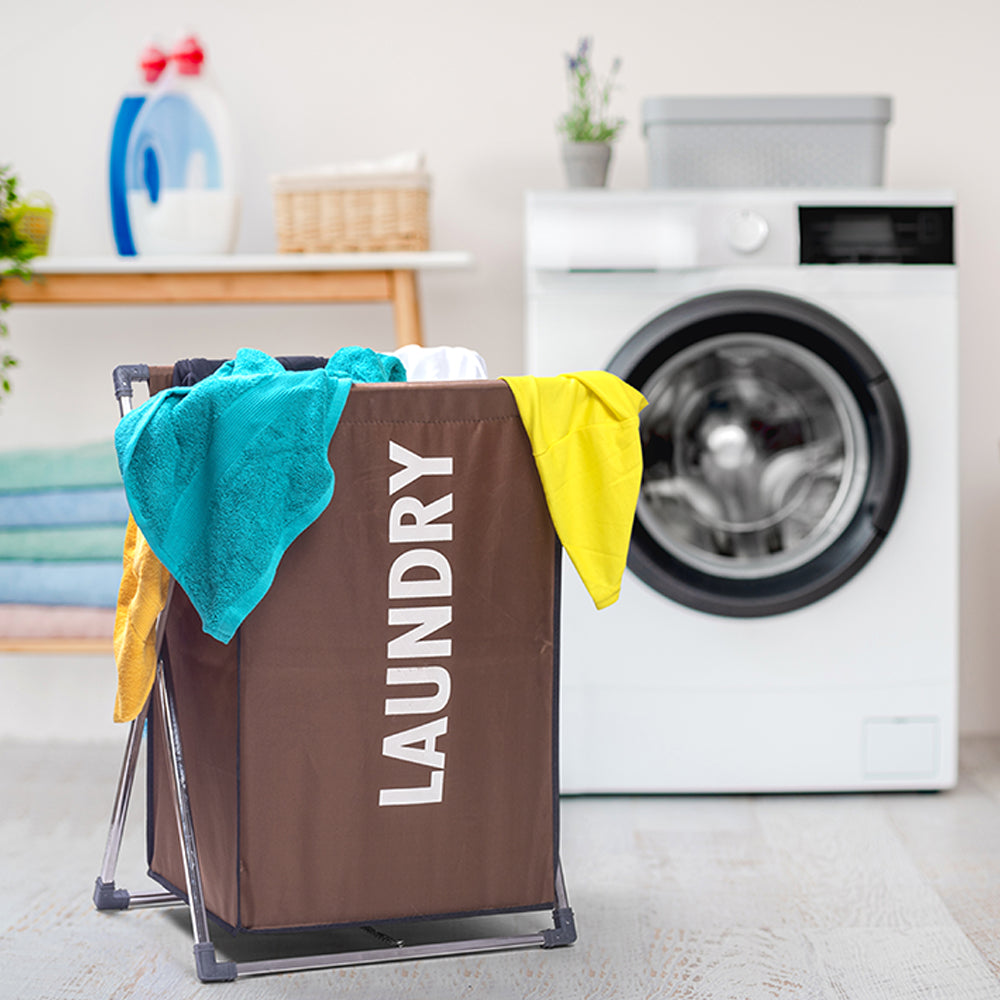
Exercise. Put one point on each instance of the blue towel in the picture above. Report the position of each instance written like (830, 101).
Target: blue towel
(222, 476)
(106, 505)
(91, 584)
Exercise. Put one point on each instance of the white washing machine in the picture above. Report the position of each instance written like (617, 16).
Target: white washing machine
(788, 620)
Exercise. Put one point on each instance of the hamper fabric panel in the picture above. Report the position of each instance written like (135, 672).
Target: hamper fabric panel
(394, 696)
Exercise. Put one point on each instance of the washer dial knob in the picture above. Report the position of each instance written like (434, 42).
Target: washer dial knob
(747, 231)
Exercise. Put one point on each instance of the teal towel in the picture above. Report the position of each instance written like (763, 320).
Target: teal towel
(63, 544)
(222, 476)
(84, 466)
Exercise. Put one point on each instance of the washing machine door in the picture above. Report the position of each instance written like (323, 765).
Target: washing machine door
(774, 450)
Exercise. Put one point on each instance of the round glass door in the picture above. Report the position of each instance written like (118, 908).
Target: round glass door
(774, 453)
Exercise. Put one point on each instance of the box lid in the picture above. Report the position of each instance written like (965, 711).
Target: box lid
(745, 109)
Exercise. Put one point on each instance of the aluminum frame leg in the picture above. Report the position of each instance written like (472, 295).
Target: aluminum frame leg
(208, 967)
(107, 896)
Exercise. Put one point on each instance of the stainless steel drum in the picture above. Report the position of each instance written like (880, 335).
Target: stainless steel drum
(774, 452)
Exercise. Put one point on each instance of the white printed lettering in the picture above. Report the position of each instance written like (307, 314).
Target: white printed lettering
(418, 573)
(414, 644)
(415, 466)
(403, 746)
(427, 705)
(419, 527)
(434, 792)
(436, 586)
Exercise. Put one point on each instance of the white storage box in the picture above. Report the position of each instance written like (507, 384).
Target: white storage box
(710, 142)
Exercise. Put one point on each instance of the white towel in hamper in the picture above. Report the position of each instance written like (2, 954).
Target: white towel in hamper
(441, 364)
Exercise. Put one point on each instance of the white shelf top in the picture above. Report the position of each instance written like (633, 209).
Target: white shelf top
(229, 263)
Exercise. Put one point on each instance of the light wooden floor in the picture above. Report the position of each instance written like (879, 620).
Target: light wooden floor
(697, 898)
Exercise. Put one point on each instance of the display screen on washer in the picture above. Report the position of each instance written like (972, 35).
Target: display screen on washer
(876, 235)
(774, 453)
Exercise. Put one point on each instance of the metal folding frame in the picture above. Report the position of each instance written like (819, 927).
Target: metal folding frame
(107, 896)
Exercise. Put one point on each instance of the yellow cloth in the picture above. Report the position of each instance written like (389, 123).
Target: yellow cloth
(584, 433)
(141, 597)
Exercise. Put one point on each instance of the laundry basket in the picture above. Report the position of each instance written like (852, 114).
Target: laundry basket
(378, 742)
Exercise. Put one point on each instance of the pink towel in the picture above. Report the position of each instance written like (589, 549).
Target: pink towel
(36, 621)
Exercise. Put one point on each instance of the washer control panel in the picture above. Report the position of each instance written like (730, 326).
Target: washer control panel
(659, 230)
(747, 228)
(747, 231)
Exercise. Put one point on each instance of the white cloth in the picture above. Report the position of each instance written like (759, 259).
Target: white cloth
(405, 170)
(401, 163)
(441, 364)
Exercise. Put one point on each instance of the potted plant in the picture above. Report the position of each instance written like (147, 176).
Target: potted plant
(588, 128)
(16, 250)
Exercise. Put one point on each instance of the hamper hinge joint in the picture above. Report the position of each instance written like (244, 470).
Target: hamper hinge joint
(564, 931)
(107, 897)
(210, 970)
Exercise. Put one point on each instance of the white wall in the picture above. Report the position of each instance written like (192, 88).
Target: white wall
(478, 86)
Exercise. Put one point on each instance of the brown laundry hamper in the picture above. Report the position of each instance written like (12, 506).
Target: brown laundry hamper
(377, 744)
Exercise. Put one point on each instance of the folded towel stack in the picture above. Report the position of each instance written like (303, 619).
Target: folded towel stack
(62, 522)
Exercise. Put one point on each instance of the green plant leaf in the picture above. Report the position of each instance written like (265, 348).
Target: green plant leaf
(15, 255)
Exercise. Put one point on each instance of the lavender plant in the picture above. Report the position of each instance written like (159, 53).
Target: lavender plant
(588, 119)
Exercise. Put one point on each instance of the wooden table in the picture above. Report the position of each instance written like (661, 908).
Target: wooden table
(238, 278)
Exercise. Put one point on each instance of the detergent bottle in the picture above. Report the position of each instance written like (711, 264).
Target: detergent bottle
(180, 175)
(152, 63)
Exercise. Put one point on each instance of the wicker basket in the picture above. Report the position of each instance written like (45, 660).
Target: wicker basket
(343, 214)
(33, 221)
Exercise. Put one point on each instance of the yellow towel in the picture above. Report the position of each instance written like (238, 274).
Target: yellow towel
(141, 597)
(584, 433)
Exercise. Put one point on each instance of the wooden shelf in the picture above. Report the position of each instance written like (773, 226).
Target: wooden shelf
(60, 646)
(238, 278)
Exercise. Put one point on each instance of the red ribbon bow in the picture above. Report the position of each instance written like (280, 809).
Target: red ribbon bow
(188, 55)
